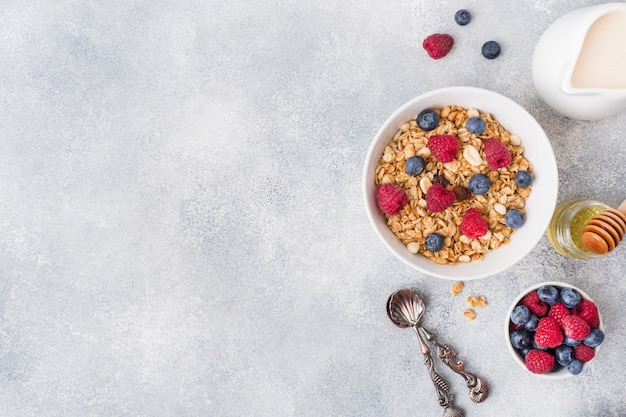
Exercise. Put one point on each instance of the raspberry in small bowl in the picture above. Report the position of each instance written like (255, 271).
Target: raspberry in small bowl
(553, 330)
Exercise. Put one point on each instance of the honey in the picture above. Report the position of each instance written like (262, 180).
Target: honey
(566, 227)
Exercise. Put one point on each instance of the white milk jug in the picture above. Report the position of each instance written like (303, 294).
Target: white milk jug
(579, 64)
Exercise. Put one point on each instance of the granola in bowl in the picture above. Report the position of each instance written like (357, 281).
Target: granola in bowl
(508, 121)
(495, 194)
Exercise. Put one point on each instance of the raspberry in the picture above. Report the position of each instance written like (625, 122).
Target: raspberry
(473, 224)
(444, 147)
(391, 198)
(589, 312)
(438, 45)
(557, 312)
(496, 153)
(539, 362)
(535, 305)
(438, 198)
(575, 327)
(584, 353)
(548, 334)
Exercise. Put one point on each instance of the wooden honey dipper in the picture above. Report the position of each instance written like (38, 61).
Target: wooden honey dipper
(605, 230)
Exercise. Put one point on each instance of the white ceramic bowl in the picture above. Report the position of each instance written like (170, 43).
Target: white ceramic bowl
(563, 372)
(537, 149)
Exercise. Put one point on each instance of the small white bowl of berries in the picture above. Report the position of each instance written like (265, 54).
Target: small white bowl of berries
(553, 330)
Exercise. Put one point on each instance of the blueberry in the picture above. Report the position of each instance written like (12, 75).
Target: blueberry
(414, 165)
(571, 342)
(523, 179)
(475, 125)
(521, 339)
(524, 351)
(532, 323)
(514, 218)
(575, 367)
(479, 184)
(462, 17)
(564, 355)
(520, 315)
(570, 297)
(491, 49)
(556, 367)
(548, 294)
(434, 242)
(427, 120)
(594, 338)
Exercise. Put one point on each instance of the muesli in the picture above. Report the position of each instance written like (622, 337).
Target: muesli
(453, 184)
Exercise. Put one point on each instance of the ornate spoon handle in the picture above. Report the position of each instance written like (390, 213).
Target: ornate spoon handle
(479, 389)
(443, 394)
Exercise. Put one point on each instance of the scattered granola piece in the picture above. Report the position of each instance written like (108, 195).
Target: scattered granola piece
(477, 301)
(456, 288)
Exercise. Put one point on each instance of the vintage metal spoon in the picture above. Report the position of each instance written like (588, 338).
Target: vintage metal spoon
(405, 309)
(478, 388)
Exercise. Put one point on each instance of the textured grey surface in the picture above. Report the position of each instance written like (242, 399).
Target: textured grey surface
(182, 230)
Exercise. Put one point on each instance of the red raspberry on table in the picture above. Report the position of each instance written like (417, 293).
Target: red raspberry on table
(548, 333)
(473, 224)
(438, 45)
(589, 312)
(444, 147)
(584, 353)
(391, 198)
(496, 153)
(438, 198)
(539, 362)
(558, 311)
(575, 327)
(535, 305)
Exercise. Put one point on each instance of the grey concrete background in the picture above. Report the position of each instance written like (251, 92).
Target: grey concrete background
(182, 230)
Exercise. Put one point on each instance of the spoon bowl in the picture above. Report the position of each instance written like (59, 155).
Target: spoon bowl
(405, 308)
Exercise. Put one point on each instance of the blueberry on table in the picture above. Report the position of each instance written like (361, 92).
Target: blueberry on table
(491, 49)
(414, 165)
(427, 120)
(462, 17)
